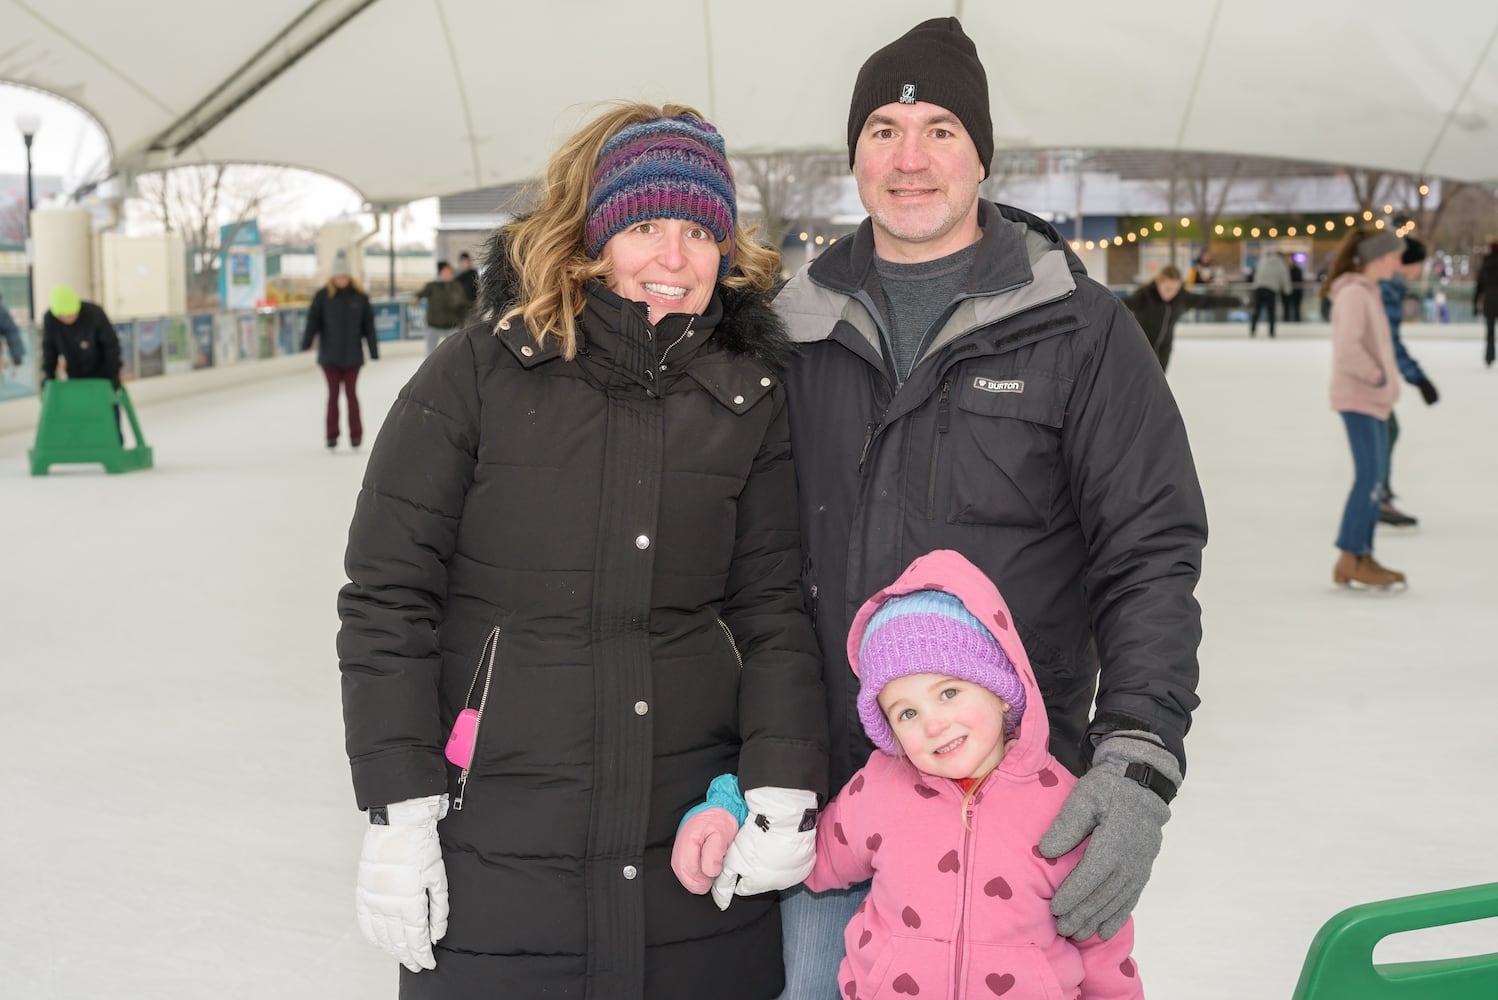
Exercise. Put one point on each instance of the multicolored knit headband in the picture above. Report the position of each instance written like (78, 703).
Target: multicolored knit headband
(664, 168)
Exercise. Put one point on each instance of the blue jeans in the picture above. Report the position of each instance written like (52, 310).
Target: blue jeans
(812, 925)
(1369, 437)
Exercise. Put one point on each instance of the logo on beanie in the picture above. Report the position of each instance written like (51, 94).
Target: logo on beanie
(907, 93)
(994, 385)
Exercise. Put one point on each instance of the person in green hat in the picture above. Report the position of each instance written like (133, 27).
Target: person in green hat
(81, 335)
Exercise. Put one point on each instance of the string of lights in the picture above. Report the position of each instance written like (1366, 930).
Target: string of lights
(1225, 231)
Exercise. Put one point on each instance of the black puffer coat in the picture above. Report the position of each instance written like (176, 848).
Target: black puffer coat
(1485, 290)
(341, 323)
(623, 528)
(1037, 437)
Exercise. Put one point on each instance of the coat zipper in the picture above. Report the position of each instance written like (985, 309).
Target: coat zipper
(943, 424)
(661, 362)
(868, 439)
(731, 644)
(491, 646)
(967, 877)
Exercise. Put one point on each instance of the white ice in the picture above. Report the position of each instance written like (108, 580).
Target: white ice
(177, 818)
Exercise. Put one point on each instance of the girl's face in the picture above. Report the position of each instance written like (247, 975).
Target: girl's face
(1383, 268)
(949, 728)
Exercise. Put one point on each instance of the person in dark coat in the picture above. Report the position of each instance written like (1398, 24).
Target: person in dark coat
(468, 277)
(81, 336)
(1158, 304)
(1297, 292)
(1392, 292)
(1485, 297)
(341, 322)
(963, 384)
(575, 598)
(11, 337)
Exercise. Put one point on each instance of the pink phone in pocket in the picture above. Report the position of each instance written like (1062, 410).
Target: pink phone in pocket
(460, 741)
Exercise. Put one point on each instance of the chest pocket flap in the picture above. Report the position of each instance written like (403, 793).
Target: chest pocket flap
(1033, 396)
(736, 386)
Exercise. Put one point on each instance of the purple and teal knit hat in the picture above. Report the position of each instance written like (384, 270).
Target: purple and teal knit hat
(930, 632)
(663, 168)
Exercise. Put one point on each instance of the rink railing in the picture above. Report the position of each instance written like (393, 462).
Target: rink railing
(175, 345)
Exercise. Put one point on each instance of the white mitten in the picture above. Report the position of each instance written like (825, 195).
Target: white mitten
(774, 849)
(401, 897)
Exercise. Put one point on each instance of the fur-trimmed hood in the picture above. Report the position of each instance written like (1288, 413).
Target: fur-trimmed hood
(750, 326)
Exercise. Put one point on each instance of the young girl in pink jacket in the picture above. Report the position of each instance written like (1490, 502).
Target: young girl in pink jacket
(1364, 388)
(946, 817)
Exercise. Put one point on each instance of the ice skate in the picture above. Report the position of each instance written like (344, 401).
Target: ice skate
(1395, 518)
(1363, 573)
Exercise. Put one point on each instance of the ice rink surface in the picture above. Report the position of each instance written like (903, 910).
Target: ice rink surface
(178, 822)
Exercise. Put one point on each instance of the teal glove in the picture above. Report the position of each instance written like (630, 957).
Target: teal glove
(722, 793)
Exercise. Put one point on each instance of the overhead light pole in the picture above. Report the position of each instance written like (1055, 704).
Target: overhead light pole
(29, 122)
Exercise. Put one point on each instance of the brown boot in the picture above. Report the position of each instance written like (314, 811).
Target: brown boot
(1362, 571)
(1399, 580)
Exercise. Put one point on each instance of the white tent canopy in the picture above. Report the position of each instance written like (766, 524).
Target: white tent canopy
(404, 99)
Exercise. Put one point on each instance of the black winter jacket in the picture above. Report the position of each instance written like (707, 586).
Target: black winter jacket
(1485, 288)
(622, 529)
(1158, 318)
(341, 324)
(89, 345)
(1036, 435)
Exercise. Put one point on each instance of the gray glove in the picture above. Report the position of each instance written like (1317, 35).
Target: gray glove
(1123, 815)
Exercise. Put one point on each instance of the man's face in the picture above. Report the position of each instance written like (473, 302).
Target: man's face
(918, 173)
(1168, 288)
(446, 274)
(69, 319)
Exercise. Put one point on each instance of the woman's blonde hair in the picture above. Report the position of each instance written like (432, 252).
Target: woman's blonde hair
(353, 283)
(546, 248)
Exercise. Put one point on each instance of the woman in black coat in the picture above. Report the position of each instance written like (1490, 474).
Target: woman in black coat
(1485, 297)
(341, 321)
(575, 599)
(1158, 305)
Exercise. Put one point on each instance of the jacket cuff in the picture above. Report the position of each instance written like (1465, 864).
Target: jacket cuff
(1112, 721)
(398, 776)
(784, 764)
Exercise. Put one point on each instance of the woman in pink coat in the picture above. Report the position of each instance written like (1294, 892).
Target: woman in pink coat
(1365, 386)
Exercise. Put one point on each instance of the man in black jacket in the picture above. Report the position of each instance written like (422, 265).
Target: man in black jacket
(81, 335)
(963, 384)
(1158, 304)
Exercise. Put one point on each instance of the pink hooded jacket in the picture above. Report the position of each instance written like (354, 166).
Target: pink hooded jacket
(1362, 349)
(956, 912)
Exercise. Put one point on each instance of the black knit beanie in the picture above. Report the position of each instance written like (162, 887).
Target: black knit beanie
(933, 62)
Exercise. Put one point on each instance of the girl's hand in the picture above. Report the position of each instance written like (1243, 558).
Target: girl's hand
(697, 854)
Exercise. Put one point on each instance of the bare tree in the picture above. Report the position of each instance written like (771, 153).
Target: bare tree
(1370, 188)
(13, 221)
(1415, 199)
(196, 201)
(786, 187)
(1206, 188)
